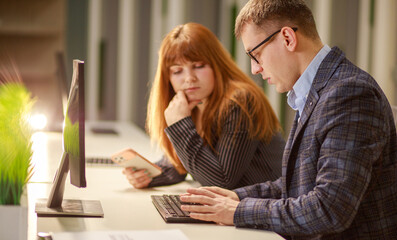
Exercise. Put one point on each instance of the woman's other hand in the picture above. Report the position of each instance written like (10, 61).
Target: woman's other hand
(137, 178)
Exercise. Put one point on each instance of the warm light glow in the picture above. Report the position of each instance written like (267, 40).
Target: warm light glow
(38, 121)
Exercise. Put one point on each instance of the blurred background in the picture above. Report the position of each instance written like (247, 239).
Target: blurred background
(119, 40)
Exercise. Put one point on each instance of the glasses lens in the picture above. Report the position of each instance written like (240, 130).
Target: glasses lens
(252, 57)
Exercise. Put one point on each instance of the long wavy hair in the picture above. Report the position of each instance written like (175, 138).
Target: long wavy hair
(194, 42)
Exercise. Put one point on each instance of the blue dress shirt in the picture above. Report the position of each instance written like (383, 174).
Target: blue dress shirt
(298, 95)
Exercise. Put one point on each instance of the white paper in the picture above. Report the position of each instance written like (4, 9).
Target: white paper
(172, 234)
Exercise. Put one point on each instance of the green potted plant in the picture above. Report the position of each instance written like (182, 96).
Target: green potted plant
(15, 159)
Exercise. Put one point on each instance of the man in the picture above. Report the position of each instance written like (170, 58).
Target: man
(339, 164)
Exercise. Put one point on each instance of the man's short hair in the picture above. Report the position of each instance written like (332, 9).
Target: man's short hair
(276, 14)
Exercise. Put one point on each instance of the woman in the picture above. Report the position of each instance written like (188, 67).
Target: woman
(210, 119)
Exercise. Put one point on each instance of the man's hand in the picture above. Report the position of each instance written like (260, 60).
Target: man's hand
(217, 204)
(222, 192)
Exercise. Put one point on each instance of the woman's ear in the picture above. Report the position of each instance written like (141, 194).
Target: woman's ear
(290, 38)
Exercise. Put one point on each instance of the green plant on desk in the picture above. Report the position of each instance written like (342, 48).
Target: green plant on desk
(15, 141)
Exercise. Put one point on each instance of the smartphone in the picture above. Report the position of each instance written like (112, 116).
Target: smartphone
(130, 158)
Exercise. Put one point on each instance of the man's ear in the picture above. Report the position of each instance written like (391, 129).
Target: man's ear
(290, 38)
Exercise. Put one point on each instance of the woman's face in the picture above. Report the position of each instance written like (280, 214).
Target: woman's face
(195, 79)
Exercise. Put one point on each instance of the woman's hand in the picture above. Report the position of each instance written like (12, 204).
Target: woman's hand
(179, 108)
(137, 178)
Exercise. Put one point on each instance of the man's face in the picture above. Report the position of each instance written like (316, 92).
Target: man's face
(272, 56)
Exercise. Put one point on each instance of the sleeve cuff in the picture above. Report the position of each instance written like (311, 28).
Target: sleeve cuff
(241, 193)
(252, 213)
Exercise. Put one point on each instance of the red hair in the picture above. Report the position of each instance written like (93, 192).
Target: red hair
(194, 42)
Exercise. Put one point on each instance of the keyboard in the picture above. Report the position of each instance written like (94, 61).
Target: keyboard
(169, 207)
(92, 161)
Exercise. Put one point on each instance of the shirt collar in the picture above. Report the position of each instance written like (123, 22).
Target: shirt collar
(298, 95)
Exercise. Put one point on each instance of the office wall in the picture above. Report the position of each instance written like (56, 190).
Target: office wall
(364, 29)
(76, 33)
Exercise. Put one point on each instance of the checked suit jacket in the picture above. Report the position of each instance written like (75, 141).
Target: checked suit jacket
(339, 165)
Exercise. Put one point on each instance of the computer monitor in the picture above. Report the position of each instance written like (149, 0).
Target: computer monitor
(73, 158)
(63, 86)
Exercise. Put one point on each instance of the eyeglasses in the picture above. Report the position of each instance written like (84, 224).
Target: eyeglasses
(249, 53)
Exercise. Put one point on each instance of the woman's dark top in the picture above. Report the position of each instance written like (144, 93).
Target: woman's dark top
(236, 162)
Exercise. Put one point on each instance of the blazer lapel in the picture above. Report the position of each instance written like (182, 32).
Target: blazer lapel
(324, 73)
(286, 155)
(311, 102)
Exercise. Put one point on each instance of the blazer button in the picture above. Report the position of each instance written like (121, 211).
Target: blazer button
(311, 103)
(265, 226)
(261, 226)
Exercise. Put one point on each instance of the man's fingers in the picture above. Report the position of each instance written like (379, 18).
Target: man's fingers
(197, 208)
(204, 200)
(217, 190)
(185, 194)
(222, 192)
(201, 191)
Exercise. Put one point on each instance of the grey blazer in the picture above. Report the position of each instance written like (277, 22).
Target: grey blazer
(339, 165)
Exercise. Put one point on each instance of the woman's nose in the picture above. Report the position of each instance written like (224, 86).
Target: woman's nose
(190, 77)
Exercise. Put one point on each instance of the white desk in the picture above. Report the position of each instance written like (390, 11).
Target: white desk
(125, 208)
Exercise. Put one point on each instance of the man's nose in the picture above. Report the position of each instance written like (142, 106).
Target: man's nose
(255, 67)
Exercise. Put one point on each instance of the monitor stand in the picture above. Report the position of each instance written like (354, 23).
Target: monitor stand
(70, 208)
(56, 206)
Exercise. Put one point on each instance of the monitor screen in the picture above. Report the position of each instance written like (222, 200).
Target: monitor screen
(73, 127)
(73, 158)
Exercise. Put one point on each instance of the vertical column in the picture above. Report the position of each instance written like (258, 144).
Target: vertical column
(156, 35)
(364, 35)
(92, 65)
(176, 13)
(322, 11)
(384, 47)
(394, 101)
(226, 25)
(241, 58)
(126, 107)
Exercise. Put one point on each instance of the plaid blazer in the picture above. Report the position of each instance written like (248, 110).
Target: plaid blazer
(339, 165)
